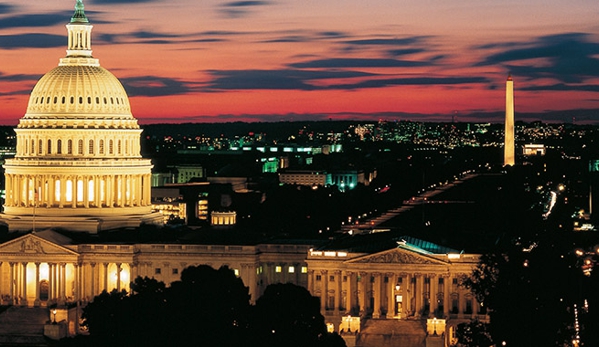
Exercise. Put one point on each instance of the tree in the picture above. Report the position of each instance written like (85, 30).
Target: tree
(529, 290)
(474, 334)
(206, 307)
(288, 315)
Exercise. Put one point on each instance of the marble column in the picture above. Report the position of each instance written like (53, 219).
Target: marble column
(432, 296)
(105, 284)
(391, 295)
(24, 279)
(349, 290)
(37, 285)
(446, 297)
(338, 284)
(118, 276)
(362, 293)
(11, 291)
(92, 280)
(377, 292)
(324, 290)
(418, 294)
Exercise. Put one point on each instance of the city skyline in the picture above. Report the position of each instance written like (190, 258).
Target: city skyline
(273, 61)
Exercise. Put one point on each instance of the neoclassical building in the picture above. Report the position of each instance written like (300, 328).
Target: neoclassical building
(413, 280)
(78, 164)
(45, 267)
(78, 172)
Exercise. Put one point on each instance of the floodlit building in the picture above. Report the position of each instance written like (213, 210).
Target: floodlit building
(78, 168)
(534, 149)
(408, 285)
(78, 163)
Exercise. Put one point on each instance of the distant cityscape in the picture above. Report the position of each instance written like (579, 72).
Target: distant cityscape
(325, 234)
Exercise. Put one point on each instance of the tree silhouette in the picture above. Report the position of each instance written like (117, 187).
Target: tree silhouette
(206, 307)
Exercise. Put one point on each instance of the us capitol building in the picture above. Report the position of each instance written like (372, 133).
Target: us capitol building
(78, 169)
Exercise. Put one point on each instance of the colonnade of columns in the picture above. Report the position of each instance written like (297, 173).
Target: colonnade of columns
(78, 191)
(391, 294)
(61, 282)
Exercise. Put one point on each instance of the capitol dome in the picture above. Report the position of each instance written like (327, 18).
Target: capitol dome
(78, 96)
(78, 161)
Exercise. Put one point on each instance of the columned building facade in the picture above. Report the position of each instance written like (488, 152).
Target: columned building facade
(78, 164)
(42, 268)
(402, 283)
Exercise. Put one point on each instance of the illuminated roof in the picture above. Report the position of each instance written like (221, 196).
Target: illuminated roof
(423, 247)
(78, 93)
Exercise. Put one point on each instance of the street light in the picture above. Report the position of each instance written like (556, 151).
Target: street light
(54, 314)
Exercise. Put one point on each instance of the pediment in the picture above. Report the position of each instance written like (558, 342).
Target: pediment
(32, 244)
(398, 256)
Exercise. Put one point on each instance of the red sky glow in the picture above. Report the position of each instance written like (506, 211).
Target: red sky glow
(266, 60)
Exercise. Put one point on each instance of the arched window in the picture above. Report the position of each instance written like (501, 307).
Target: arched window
(59, 146)
(32, 149)
(110, 147)
(119, 147)
(101, 146)
(70, 147)
(80, 147)
(39, 147)
(91, 147)
(49, 147)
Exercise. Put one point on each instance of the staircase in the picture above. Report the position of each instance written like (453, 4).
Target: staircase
(392, 333)
(23, 326)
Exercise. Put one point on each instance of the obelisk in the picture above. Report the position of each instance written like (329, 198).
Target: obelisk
(509, 157)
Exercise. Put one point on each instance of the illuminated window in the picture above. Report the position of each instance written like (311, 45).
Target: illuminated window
(278, 269)
(79, 191)
(57, 190)
(69, 191)
(157, 271)
(90, 190)
(236, 271)
(304, 269)
(291, 269)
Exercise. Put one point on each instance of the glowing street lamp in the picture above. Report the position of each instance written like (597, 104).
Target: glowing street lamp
(54, 314)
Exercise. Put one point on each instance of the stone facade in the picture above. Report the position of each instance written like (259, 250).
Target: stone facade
(42, 268)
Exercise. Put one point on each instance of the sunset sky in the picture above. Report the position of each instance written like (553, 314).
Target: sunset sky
(286, 60)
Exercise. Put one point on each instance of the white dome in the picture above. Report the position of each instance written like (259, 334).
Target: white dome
(78, 96)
